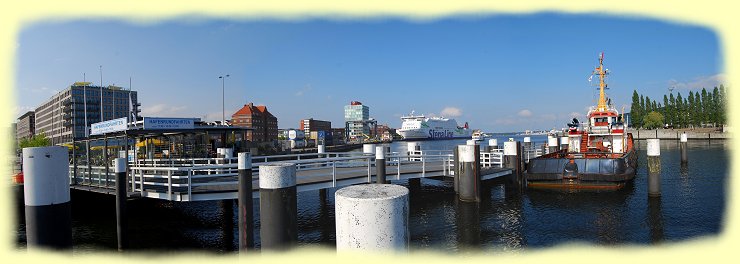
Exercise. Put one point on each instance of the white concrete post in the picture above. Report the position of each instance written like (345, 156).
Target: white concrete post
(321, 149)
(368, 148)
(46, 197)
(653, 153)
(372, 217)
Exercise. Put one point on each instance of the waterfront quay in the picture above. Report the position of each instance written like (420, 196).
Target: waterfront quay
(227, 178)
(505, 218)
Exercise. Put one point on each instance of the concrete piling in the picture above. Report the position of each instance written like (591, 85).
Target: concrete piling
(492, 144)
(552, 144)
(368, 148)
(380, 164)
(470, 142)
(467, 170)
(278, 206)
(244, 200)
(47, 198)
(653, 153)
(121, 195)
(321, 149)
(512, 160)
(372, 217)
(527, 143)
(684, 146)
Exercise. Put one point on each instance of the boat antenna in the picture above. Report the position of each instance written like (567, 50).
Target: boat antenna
(602, 85)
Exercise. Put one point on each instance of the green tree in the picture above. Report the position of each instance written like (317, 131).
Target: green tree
(673, 112)
(653, 120)
(722, 105)
(648, 105)
(706, 106)
(666, 109)
(716, 106)
(642, 110)
(693, 118)
(38, 140)
(679, 111)
(635, 113)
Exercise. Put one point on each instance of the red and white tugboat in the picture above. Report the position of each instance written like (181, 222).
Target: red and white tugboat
(600, 154)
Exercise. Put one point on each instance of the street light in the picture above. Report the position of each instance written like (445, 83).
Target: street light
(223, 99)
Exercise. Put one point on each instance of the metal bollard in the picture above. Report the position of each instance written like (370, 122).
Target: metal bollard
(468, 171)
(246, 223)
(653, 153)
(372, 217)
(47, 199)
(380, 164)
(512, 160)
(278, 206)
(121, 195)
(684, 146)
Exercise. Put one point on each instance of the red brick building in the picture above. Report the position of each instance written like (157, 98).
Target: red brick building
(264, 124)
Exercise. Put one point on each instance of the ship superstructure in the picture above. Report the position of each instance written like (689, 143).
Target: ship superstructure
(599, 154)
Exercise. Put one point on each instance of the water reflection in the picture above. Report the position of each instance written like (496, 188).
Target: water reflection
(655, 220)
(468, 225)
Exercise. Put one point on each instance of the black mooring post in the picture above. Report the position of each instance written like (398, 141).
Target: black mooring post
(121, 195)
(468, 172)
(246, 223)
(380, 164)
(278, 206)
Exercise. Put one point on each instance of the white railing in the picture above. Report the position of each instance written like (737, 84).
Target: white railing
(172, 178)
(494, 158)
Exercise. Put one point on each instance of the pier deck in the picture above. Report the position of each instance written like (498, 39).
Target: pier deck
(188, 180)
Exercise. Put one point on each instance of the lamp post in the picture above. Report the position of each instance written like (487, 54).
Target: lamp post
(223, 99)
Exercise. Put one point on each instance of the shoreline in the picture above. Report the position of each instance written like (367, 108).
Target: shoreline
(640, 134)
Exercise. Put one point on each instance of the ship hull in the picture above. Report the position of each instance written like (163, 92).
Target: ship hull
(608, 171)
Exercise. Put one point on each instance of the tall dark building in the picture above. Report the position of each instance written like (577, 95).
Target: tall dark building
(62, 117)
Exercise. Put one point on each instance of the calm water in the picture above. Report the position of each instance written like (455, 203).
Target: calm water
(692, 205)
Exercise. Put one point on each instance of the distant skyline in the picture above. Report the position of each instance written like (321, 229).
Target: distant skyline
(499, 73)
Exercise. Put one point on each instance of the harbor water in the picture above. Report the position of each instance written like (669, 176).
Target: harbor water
(692, 205)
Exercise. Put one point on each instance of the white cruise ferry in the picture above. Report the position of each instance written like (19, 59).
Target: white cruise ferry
(421, 127)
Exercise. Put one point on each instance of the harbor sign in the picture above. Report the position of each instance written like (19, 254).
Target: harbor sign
(113, 125)
(168, 123)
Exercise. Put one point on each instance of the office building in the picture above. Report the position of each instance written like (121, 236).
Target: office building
(309, 125)
(356, 118)
(25, 126)
(62, 117)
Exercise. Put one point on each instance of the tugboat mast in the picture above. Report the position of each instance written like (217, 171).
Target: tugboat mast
(602, 85)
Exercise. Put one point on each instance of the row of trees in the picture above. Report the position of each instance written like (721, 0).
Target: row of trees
(698, 109)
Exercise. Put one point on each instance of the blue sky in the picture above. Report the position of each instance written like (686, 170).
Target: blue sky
(499, 73)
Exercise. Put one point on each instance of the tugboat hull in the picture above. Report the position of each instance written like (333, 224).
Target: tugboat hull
(593, 171)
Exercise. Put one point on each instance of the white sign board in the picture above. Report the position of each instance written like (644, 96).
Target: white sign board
(168, 123)
(109, 126)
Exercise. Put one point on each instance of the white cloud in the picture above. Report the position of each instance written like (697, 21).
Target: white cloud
(163, 110)
(451, 111)
(525, 113)
(305, 89)
(698, 83)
